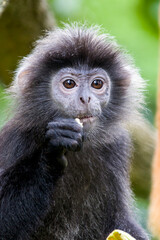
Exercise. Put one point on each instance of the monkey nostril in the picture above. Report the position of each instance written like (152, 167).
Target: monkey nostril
(82, 100)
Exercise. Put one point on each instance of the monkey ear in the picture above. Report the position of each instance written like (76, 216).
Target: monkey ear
(22, 79)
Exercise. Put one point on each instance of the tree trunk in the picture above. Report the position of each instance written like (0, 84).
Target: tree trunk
(21, 23)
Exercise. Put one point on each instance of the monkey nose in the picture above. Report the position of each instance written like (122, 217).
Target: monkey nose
(84, 101)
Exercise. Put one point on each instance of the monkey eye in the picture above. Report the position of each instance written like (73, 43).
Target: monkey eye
(69, 83)
(97, 83)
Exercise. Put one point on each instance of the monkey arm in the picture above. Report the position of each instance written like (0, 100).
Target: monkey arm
(26, 189)
(30, 176)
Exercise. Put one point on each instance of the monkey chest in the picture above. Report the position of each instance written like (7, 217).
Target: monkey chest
(77, 210)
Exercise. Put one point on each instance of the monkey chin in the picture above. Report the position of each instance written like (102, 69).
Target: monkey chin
(88, 123)
(87, 120)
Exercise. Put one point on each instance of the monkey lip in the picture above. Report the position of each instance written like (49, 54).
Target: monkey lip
(86, 119)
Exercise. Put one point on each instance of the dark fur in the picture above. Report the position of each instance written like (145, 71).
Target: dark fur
(91, 197)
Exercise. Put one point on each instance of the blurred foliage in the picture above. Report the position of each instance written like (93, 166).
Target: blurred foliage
(134, 25)
(142, 204)
(4, 102)
(144, 141)
(149, 9)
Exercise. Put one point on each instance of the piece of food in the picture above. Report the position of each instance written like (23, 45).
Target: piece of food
(120, 235)
(78, 121)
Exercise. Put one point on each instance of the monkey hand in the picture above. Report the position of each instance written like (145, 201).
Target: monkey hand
(65, 134)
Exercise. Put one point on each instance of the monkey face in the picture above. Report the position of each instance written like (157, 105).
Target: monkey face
(81, 93)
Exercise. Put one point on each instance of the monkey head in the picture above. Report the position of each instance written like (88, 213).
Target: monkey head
(77, 72)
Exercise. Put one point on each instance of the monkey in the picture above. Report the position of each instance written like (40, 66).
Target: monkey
(61, 179)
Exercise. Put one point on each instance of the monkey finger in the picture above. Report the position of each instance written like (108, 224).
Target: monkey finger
(78, 147)
(73, 145)
(67, 143)
(70, 124)
(70, 134)
(53, 134)
(50, 134)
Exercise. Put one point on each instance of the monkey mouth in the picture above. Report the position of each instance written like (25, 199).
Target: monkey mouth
(86, 119)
